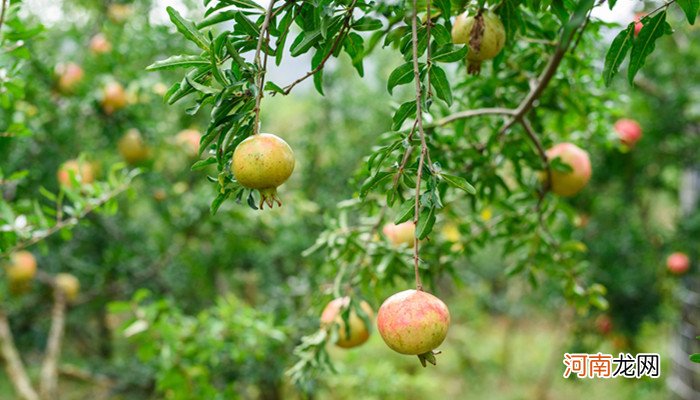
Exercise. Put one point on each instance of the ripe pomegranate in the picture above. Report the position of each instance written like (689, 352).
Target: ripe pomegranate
(21, 268)
(603, 324)
(413, 322)
(629, 131)
(263, 162)
(84, 172)
(401, 234)
(678, 263)
(132, 147)
(359, 331)
(69, 284)
(569, 183)
(99, 44)
(113, 97)
(189, 139)
(485, 35)
(69, 76)
(638, 25)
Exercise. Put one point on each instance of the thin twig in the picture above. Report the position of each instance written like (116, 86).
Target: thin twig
(2, 15)
(261, 68)
(341, 35)
(13, 362)
(424, 146)
(48, 385)
(469, 114)
(427, 49)
(70, 221)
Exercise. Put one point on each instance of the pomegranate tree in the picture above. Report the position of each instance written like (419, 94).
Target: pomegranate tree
(678, 263)
(571, 182)
(401, 234)
(483, 33)
(629, 131)
(414, 322)
(358, 331)
(263, 162)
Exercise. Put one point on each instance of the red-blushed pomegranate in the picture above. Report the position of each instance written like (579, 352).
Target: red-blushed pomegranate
(401, 234)
(84, 172)
(113, 97)
(263, 162)
(413, 322)
(189, 139)
(69, 76)
(629, 131)
(99, 44)
(69, 284)
(485, 35)
(569, 183)
(22, 267)
(132, 147)
(638, 25)
(358, 332)
(603, 324)
(678, 263)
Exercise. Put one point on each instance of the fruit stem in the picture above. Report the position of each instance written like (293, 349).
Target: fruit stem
(262, 67)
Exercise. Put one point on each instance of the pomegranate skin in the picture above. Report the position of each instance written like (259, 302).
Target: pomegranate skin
(358, 330)
(567, 184)
(629, 131)
(678, 263)
(402, 233)
(413, 322)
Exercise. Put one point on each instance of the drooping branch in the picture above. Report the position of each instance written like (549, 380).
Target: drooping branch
(48, 384)
(13, 362)
(341, 35)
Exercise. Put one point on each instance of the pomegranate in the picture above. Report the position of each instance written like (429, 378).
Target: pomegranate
(120, 13)
(69, 76)
(359, 331)
(113, 97)
(22, 267)
(189, 139)
(263, 162)
(603, 324)
(569, 183)
(638, 25)
(485, 35)
(84, 172)
(99, 44)
(69, 284)
(629, 131)
(401, 234)
(678, 263)
(132, 148)
(413, 322)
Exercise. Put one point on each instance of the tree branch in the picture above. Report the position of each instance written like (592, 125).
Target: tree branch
(341, 35)
(423, 144)
(469, 114)
(13, 362)
(2, 14)
(261, 68)
(48, 384)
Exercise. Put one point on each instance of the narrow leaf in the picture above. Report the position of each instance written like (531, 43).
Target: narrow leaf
(438, 80)
(645, 43)
(188, 29)
(400, 76)
(181, 61)
(617, 53)
(690, 8)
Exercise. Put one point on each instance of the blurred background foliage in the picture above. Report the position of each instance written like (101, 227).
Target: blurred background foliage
(179, 304)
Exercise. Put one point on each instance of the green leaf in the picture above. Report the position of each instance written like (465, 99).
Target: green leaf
(367, 24)
(404, 111)
(406, 211)
(218, 201)
(695, 358)
(459, 183)
(400, 76)
(180, 61)
(188, 29)
(617, 53)
(441, 34)
(426, 221)
(450, 53)
(247, 25)
(576, 20)
(645, 43)
(304, 41)
(272, 87)
(201, 164)
(690, 8)
(438, 80)
(226, 15)
(373, 181)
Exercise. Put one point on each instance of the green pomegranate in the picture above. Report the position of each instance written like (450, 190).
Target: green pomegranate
(485, 35)
(263, 162)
